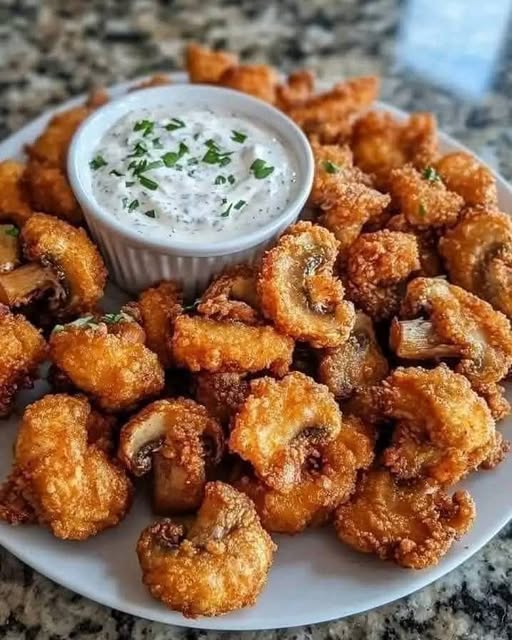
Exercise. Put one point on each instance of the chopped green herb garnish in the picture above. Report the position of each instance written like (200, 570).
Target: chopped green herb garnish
(174, 124)
(211, 156)
(226, 213)
(224, 161)
(133, 205)
(138, 150)
(192, 161)
(157, 144)
(211, 143)
(220, 180)
(422, 211)
(238, 137)
(97, 163)
(260, 169)
(129, 183)
(125, 202)
(171, 157)
(195, 136)
(14, 232)
(146, 126)
(150, 214)
(138, 166)
(231, 179)
(115, 172)
(330, 167)
(240, 204)
(148, 183)
(183, 149)
(430, 174)
(156, 164)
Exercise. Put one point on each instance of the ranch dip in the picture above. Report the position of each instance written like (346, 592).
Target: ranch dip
(191, 175)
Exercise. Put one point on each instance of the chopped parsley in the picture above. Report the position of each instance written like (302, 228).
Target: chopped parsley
(422, 211)
(12, 231)
(231, 179)
(214, 156)
(133, 205)
(125, 202)
(129, 183)
(115, 172)
(150, 213)
(138, 150)
(97, 162)
(227, 211)
(148, 183)
(174, 124)
(260, 169)
(146, 126)
(238, 137)
(156, 164)
(430, 174)
(330, 167)
(171, 157)
(240, 204)
(157, 143)
(220, 180)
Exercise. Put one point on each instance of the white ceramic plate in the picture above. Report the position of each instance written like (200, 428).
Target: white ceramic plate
(314, 577)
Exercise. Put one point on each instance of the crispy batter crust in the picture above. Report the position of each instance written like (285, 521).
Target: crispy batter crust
(226, 546)
(413, 524)
(232, 296)
(203, 344)
(221, 393)
(463, 174)
(205, 66)
(14, 204)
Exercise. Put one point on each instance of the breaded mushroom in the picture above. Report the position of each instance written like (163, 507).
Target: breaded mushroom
(413, 524)
(221, 393)
(258, 80)
(423, 199)
(71, 485)
(205, 66)
(443, 429)
(115, 370)
(474, 182)
(225, 546)
(22, 350)
(14, 204)
(378, 267)
(62, 262)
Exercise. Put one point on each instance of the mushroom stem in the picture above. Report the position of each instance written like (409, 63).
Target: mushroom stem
(24, 283)
(9, 248)
(417, 340)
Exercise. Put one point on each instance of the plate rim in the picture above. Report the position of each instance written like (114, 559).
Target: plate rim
(222, 623)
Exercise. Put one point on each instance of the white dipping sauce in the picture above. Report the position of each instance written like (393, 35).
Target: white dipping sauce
(192, 174)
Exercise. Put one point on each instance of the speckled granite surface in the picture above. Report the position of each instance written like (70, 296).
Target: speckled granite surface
(452, 57)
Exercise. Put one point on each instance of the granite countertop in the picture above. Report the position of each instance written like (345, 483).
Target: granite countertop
(452, 57)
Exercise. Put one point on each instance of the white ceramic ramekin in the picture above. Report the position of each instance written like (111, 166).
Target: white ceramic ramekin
(136, 262)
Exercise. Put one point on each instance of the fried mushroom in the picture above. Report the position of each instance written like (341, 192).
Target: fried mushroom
(462, 173)
(258, 80)
(379, 264)
(22, 350)
(281, 423)
(61, 261)
(107, 362)
(182, 443)
(221, 393)
(71, 485)
(203, 344)
(477, 254)
(327, 480)
(413, 524)
(298, 290)
(205, 66)
(225, 546)
(444, 430)
(14, 205)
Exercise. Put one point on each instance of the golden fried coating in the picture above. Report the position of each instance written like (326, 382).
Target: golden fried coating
(298, 290)
(462, 173)
(206, 66)
(297, 89)
(444, 430)
(258, 80)
(182, 443)
(72, 486)
(359, 363)
(441, 320)
(378, 267)
(477, 254)
(156, 310)
(343, 193)
(380, 143)
(51, 148)
(14, 204)
(114, 370)
(322, 112)
(427, 239)
(71, 257)
(424, 201)
(281, 423)
(328, 477)
(413, 524)
(221, 393)
(22, 350)
(49, 191)
(232, 296)
(203, 344)
(219, 564)
(158, 80)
